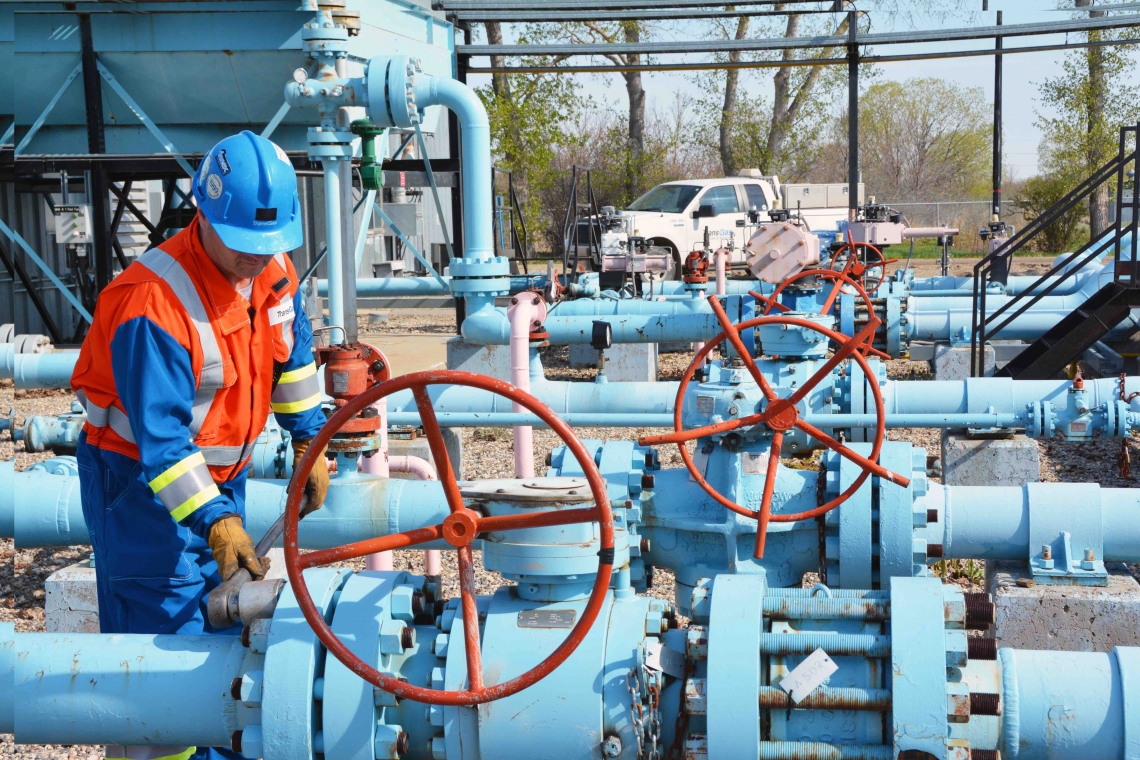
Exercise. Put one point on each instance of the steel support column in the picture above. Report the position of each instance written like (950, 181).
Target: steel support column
(96, 144)
(852, 115)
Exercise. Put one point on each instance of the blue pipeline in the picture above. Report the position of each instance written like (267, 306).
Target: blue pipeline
(993, 522)
(378, 287)
(137, 689)
(41, 509)
(1069, 704)
(1005, 395)
(37, 370)
(943, 324)
(631, 320)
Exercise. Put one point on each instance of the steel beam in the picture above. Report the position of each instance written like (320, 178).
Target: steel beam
(804, 43)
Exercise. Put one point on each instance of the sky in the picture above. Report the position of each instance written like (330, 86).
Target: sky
(1022, 72)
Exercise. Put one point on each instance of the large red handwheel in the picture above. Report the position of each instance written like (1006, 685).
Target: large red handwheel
(840, 278)
(780, 415)
(459, 529)
(863, 257)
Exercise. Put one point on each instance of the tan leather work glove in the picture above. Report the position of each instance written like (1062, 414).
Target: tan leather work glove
(233, 549)
(317, 486)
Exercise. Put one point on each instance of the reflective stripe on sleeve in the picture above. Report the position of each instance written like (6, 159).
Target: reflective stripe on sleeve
(185, 486)
(297, 391)
(104, 416)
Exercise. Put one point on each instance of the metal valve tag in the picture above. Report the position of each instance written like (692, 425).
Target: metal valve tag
(808, 675)
(547, 618)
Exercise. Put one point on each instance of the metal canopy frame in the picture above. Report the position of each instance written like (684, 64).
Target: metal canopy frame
(802, 43)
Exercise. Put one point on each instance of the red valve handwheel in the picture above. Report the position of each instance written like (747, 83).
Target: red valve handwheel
(840, 278)
(781, 415)
(459, 529)
(857, 265)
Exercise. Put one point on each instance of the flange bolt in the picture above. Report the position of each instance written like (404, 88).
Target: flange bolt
(985, 703)
(978, 648)
(981, 612)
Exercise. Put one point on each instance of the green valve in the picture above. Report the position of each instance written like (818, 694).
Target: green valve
(371, 175)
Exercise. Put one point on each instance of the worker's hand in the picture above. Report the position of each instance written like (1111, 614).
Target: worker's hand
(318, 483)
(233, 549)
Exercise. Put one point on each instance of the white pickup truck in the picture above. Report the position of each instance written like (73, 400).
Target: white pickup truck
(674, 215)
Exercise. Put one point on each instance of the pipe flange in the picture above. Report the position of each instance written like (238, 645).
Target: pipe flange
(330, 144)
(390, 82)
(486, 277)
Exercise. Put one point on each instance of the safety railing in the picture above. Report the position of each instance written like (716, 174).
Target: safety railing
(510, 231)
(579, 225)
(996, 266)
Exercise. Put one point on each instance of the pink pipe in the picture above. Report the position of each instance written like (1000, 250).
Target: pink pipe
(721, 258)
(524, 313)
(927, 232)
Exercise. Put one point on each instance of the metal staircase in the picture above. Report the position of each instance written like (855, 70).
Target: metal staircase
(1100, 313)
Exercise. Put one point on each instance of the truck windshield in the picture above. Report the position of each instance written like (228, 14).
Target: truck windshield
(668, 199)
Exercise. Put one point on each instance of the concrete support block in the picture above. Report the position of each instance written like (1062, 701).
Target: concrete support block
(953, 362)
(968, 461)
(625, 362)
(1069, 618)
(482, 360)
(418, 447)
(71, 602)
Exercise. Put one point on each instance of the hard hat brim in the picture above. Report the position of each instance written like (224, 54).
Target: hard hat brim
(262, 243)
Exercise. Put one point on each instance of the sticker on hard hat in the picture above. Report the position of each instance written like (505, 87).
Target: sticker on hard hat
(205, 168)
(282, 154)
(223, 163)
(214, 186)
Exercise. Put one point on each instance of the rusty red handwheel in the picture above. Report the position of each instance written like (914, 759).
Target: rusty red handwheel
(460, 529)
(840, 278)
(859, 261)
(780, 415)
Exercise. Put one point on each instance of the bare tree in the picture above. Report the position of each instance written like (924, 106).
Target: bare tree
(1098, 202)
(728, 111)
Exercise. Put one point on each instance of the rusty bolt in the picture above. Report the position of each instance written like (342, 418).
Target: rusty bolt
(235, 741)
(514, 301)
(376, 367)
(403, 742)
(549, 458)
(245, 637)
(985, 703)
(648, 459)
(978, 648)
(408, 637)
(647, 480)
(1046, 552)
(1090, 555)
(645, 546)
(235, 688)
(932, 515)
(934, 551)
(417, 602)
(985, 754)
(981, 612)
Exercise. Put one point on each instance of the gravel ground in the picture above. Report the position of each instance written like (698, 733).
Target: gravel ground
(488, 454)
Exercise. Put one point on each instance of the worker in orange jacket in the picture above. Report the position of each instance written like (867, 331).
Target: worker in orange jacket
(191, 347)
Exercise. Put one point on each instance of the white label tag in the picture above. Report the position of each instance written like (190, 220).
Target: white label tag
(668, 661)
(808, 675)
(281, 312)
(755, 464)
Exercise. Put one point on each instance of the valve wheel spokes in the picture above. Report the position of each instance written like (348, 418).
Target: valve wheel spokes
(460, 529)
(781, 415)
(841, 279)
(858, 267)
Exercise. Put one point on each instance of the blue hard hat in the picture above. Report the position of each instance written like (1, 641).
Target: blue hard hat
(247, 188)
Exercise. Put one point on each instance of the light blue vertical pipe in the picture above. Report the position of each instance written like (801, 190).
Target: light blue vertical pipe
(475, 136)
(7, 671)
(335, 257)
(1070, 705)
(127, 689)
(8, 499)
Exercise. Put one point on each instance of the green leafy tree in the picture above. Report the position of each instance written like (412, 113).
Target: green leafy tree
(531, 119)
(1037, 196)
(1084, 108)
